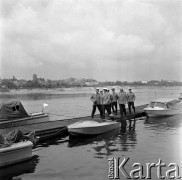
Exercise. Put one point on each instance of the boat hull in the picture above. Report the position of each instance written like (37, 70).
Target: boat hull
(155, 112)
(92, 127)
(32, 119)
(15, 153)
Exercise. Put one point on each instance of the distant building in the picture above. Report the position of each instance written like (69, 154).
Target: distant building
(34, 77)
(14, 78)
(144, 82)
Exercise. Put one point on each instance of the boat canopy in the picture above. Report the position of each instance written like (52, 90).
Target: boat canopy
(176, 104)
(163, 100)
(12, 109)
(173, 104)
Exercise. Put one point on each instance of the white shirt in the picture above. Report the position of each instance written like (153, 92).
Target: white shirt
(106, 98)
(122, 98)
(131, 97)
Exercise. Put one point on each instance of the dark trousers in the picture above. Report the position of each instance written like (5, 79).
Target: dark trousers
(107, 107)
(114, 106)
(94, 109)
(103, 110)
(131, 104)
(122, 109)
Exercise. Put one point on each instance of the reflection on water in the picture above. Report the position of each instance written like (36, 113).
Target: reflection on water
(29, 166)
(164, 122)
(84, 140)
(55, 141)
(108, 143)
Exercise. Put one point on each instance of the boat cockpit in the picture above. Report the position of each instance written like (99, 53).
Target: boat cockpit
(160, 105)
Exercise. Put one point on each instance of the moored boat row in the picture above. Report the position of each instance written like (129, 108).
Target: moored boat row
(13, 114)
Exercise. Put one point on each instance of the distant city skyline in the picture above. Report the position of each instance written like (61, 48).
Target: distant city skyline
(128, 40)
(39, 82)
(35, 77)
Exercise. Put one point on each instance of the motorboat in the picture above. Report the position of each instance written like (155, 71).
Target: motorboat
(92, 127)
(75, 141)
(13, 114)
(15, 153)
(164, 107)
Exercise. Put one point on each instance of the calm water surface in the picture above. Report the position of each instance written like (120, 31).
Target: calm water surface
(87, 158)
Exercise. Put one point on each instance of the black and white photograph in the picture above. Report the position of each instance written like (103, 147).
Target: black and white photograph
(90, 89)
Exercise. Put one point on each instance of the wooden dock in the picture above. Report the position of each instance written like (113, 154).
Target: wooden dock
(57, 128)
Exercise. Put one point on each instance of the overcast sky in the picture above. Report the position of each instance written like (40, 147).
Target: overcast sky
(101, 39)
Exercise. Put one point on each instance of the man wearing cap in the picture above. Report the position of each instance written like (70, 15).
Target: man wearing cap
(95, 98)
(114, 98)
(122, 101)
(106, 102)
(131, 98)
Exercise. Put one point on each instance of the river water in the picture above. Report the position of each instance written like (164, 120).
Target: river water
(87, 158)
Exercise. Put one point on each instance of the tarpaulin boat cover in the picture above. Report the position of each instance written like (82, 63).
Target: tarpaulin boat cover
(175, 105)
(11, 110)
(13, 136)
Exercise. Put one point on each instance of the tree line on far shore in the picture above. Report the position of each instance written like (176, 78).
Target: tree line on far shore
(73, 82)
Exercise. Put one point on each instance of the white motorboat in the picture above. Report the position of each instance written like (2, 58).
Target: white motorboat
(164, 107)
(13, 114)
(92, 127)
(15, 153)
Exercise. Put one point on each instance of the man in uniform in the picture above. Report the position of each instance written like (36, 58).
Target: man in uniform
(122, 101)
(95, 98)
(131, 98)
(114, 98)
(107, 101)
(101, 102)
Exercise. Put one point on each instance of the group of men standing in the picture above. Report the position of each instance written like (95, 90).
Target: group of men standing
(106, 101)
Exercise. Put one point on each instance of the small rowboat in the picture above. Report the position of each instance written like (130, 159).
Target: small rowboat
(92, 127)
(15, 153)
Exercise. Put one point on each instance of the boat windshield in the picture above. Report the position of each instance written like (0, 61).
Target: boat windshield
(159, 104)
(152, 104)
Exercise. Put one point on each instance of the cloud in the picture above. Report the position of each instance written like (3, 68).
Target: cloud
(99, 33)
